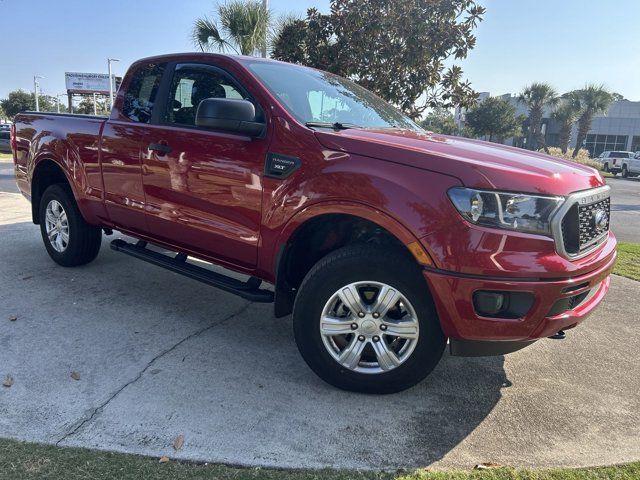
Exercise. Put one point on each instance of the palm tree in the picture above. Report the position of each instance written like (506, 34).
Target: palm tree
(537, 96)
(594, 99)
(566, 114)
(241, 27)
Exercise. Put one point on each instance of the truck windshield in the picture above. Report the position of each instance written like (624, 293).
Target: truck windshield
(316, 98)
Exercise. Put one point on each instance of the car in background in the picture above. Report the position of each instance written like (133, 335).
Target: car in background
(634, 166)
(615, 161)
(5, 144)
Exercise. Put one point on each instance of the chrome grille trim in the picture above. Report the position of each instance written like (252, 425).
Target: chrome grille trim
(579, 199)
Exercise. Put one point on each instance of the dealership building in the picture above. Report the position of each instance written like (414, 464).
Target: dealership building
(617, 129)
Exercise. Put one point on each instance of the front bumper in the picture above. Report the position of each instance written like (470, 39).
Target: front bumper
(453, 296)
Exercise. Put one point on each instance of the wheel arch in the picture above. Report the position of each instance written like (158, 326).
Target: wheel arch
(46, 172)
(323, 228)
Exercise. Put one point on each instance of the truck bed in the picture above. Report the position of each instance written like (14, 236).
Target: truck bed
(72, 138)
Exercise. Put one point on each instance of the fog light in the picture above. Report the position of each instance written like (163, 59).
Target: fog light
(488, 303)
(510, 305)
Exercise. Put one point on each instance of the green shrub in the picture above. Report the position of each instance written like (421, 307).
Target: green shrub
(582, 157)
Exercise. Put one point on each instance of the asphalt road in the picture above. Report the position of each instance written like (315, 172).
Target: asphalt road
(159, 355)
(625, 208)
(7, 177)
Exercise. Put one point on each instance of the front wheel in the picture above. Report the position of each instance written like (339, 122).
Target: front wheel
(69, 240)
(606, 167)
(625, 172)
(364, 321)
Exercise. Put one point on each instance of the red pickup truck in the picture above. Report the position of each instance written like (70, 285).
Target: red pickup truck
(385, 241)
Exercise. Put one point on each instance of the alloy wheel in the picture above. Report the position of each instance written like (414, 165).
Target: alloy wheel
(369, 327)
(57, 226)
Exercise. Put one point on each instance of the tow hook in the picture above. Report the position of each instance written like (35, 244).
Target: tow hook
(559, 336)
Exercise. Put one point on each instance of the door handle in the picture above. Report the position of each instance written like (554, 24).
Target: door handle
(161, 148)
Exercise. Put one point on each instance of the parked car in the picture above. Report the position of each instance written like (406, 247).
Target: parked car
(615, 161)
(5, 145)
(385, 241)
(633, 166)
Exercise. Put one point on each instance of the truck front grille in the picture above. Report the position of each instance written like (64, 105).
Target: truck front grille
(584, 222)
(590, 230)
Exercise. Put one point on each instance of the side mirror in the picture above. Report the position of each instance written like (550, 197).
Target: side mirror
(229, 115)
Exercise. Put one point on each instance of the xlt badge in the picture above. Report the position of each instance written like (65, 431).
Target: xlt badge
(280, 166)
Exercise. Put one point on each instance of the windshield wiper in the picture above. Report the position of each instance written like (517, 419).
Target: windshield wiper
(334, 125)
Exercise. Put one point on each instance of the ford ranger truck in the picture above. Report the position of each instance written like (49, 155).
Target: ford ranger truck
(385, 241)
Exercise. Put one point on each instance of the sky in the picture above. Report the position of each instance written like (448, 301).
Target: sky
(564, 42)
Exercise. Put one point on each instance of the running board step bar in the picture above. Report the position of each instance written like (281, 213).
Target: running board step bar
(249, 290)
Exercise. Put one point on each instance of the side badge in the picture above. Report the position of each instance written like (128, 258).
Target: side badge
(280, 166)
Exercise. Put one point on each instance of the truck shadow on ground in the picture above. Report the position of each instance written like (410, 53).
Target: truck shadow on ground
(224, 373)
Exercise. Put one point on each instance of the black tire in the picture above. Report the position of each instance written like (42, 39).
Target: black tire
(367, 263)
(83, 239)
(606, 167)
(625, 172)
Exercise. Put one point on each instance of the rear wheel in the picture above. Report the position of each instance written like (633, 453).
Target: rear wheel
(364, 321)
(69, 240)
(625, 171)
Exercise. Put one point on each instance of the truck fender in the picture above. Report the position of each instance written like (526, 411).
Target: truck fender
(284, 295)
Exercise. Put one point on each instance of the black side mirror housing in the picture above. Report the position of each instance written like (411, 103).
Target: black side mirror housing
(229, 115)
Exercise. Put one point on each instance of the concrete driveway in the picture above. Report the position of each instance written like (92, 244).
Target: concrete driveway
(160, 355)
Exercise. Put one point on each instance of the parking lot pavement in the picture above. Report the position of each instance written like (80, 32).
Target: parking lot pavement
(7, 178)
(625, 208)
(159, 355)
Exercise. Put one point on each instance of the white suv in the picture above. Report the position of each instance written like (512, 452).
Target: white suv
(619, 161)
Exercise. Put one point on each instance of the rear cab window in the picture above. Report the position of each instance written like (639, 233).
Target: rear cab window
(140, 97)
(621, 154)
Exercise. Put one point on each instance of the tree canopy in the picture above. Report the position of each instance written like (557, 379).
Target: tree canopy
(593, 99)
(373, 43)
(19, 101)
(239, 26)
(86, 106)
(566, 113)
(537, 96)
(440, 120)
(494, 118)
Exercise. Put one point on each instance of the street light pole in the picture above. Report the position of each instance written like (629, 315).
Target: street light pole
(58, 100)
(109, 60)
(35, 90)
(265, 5)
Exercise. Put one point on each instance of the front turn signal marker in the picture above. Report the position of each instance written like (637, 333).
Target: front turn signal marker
(420, 254)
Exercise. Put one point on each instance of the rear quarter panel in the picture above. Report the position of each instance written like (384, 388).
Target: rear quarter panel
(72, 142)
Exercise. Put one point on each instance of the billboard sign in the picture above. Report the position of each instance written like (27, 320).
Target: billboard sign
(87, 82)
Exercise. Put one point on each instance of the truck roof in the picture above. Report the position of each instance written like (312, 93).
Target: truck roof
(207, 56)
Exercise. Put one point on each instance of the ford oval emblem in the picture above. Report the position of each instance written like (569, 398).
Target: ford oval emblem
(600, 219)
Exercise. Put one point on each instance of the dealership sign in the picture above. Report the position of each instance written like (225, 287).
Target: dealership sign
(87, 82)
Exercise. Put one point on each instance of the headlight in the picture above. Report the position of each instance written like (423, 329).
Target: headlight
(512, 211)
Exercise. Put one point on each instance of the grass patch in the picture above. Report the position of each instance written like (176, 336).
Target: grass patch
(628, 264)
(6, 157)
(27, 461)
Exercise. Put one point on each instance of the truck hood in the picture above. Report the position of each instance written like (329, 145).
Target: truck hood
(475, 163)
